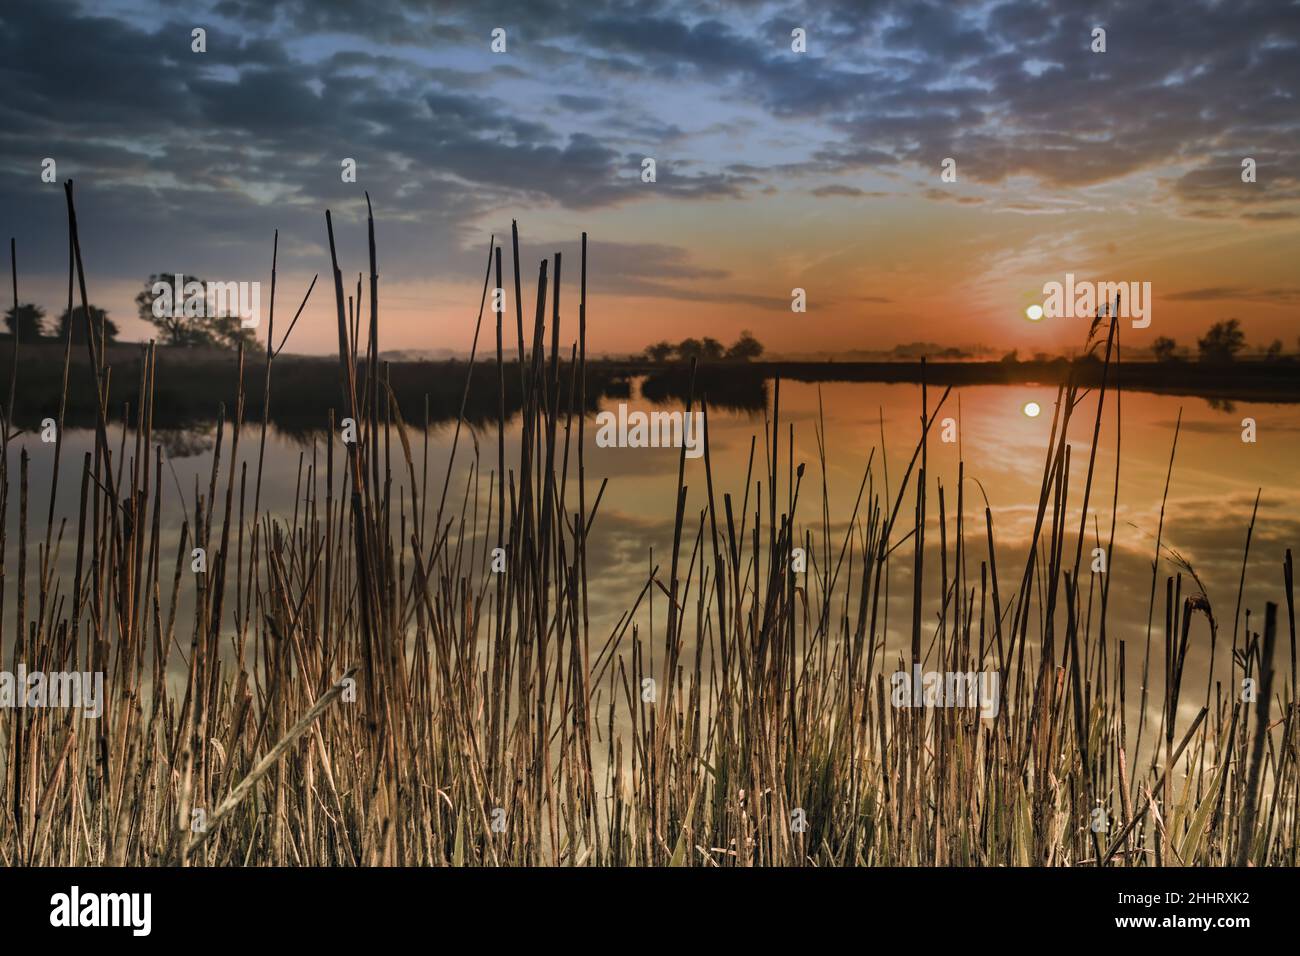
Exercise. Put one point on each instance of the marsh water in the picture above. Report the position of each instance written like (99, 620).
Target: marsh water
(1212, 491)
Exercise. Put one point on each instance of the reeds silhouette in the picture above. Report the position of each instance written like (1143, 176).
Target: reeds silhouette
(490, 726)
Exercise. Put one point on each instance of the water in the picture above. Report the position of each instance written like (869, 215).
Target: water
(1212, 493)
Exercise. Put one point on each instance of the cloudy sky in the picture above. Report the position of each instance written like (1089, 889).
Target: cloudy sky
(775, 169)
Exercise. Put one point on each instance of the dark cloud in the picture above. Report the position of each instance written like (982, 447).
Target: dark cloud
(219, 147)
(951, 195)
(839, 189)
(1278, 296)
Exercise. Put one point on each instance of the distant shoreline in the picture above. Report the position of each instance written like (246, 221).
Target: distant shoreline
(1245, 380)
(189, 383)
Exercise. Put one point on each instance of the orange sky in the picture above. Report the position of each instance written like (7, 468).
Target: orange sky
(879, 272)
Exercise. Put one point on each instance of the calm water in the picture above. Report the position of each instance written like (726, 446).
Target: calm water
(1211, 495)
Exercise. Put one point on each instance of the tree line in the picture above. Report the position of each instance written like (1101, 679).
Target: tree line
(29, 322)
(1220, 344)
(707, 349)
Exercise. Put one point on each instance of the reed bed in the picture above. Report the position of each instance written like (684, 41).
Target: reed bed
(358, 687)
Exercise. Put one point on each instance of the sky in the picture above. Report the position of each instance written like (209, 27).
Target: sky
(775, 170)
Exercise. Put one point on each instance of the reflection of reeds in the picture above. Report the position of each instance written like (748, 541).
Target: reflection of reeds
(490, 728)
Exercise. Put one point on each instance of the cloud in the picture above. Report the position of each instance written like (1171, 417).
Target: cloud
(838, 189)
(214, 151)
(948, 195)
(1272, 296)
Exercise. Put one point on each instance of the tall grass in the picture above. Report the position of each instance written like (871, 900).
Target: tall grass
(359, 688)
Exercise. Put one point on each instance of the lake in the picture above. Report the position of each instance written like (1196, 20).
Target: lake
(1211, 495)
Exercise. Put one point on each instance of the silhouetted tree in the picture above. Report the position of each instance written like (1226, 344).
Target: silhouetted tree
(1224, 340)
(689, 348)
(28, 320)
(213, 331)
(711, 348)
(97, 316)
(745, 348)
(660, 351)
(172, 329)
(1164, 347)
(226, 332)
(1274, 351)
